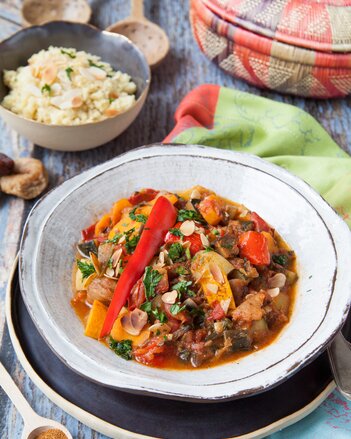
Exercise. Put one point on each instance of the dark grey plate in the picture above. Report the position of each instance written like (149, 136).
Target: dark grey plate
(169, 419)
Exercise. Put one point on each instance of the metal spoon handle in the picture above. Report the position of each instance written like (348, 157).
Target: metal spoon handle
(15, 395)
(340, 360)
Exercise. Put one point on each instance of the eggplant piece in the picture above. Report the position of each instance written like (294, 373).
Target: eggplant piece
(85, 248)
(184, 355)
(240, 339)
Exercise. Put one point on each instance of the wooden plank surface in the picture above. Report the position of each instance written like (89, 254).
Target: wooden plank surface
(184, 69)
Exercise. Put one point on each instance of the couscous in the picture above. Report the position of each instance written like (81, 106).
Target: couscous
(63, 86)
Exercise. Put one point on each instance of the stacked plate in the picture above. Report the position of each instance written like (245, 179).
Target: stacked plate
(49, 340)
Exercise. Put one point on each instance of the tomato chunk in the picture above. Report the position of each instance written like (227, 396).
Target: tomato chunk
(260, 224)
(151, 352)
(137, 295)
(143, 195)
(88, 233)
(194, 239)
(254, 247)
(217, 312)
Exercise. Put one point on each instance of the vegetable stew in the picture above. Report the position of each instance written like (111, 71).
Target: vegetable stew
(182, 280)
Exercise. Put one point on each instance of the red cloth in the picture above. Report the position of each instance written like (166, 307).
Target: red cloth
(197, 109)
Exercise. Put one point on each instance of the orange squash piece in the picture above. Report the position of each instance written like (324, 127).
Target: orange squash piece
(96, 320)
(117, 209)
(210, 209)
(118, 333)
(272, 245)
(102, 224)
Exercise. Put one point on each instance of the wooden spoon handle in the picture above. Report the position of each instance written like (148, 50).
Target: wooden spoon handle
(15, 395)
(137, 10)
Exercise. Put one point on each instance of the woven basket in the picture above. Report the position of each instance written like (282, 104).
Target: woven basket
(273, 63)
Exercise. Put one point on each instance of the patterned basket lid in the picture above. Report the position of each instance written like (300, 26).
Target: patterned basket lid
(323, 25)
(266, 62)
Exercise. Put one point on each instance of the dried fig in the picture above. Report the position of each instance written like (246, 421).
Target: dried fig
(28, 180)
(6, 164)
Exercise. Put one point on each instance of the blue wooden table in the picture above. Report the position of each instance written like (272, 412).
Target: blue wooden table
(185, 68)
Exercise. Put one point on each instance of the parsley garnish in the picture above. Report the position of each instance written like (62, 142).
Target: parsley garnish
(176, 232)
(92, 64)
(184, 215)
(215, 232)
(208, 249)
(111, 100)
(146, 306)
(280, 259)
(137, 217)
(66, 52)
(109, 263)
(176, 308)
(175, 251)
(159, 315)
(151, 280)
(85, 268)
(68, 71)
(122, 348)
(182, 286)
(131, 243)
(46, 88)
(113, 240)
(181, 270)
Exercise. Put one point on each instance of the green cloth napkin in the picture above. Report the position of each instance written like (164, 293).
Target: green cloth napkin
(280, 133)
(287, 136)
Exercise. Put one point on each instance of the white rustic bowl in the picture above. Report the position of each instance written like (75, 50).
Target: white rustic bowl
(115, 49)
(322, 242)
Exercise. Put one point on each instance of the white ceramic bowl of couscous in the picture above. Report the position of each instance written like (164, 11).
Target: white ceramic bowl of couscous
(71, 87)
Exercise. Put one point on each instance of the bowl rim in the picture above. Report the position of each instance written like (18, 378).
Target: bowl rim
(28, 23)
(229, 156)
(94, 28)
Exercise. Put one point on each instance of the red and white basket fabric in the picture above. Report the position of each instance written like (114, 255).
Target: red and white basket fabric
(291, 46)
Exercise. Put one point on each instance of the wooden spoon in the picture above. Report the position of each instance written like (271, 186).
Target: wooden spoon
(149, 37)
(33, 423)
(35, 12)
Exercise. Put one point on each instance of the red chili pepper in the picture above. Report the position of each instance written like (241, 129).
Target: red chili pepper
(260, 224)
(254, 247)
(143, 195)
(194, 239)
(88, 233)
(162, 217)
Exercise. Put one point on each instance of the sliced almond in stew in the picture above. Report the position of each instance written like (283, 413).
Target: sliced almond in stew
(204, 240)
(116, 257)
(96, 263)
(216, 273)
(133, 322)
(277, 281)
(110, 272)
(170, 297)
(187, 228)
(273, 292)
(212, 288)
(122, 239)
(225, 305)
(163, 328)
